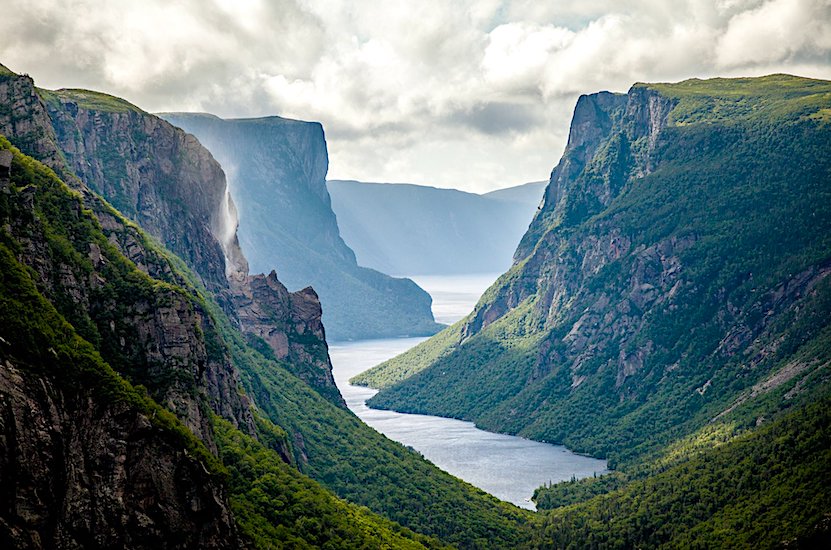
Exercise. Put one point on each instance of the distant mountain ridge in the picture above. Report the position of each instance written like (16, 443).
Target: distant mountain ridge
(420, 230)
(527, 193)
(277, 171)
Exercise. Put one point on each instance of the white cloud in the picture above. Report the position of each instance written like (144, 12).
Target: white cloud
(776, 31)
(474, 94)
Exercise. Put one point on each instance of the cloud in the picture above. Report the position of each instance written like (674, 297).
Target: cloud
(476, 94)
(495, 118)
(775, 31)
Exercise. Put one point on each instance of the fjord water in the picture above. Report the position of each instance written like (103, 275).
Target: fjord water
(507, 467)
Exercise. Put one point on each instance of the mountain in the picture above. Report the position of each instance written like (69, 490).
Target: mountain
(529, 194)
(165, 181)
(420, 230)
(124, 154)
(141, 408)
(683, 243)
(90, 459)
(277, 176)
(674, 284)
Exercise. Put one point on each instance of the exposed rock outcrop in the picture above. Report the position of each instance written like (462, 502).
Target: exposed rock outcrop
(155, 174)
(23, 115)
(155, 334)
(78, 472)
(290, 323)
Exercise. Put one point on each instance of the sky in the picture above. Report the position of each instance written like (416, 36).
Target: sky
(475, 95)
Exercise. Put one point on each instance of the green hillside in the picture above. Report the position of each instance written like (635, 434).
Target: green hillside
(763, 489)
(674, 273)
(670, 309)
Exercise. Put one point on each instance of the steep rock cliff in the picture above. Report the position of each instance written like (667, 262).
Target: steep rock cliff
(277, 173)
(150, 331)
(23, 115)
(85, 459)
(290, 324)
(164, 180)
(155, 174)
(81, 472)
(680, 260)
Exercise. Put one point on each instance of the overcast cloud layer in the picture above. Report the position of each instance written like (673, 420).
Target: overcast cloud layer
(473, 95)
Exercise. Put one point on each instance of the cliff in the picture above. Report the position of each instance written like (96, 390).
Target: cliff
(290, 324)
(166, 182)
(68, 420)
(676, 273)
(277, 173)
(134, 412)
(153, 173)
(420, 230)
(58, 442)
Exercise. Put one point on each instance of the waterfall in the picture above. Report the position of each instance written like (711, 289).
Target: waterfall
(236, 266)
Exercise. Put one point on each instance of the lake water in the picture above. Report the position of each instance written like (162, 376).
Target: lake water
(505, 466)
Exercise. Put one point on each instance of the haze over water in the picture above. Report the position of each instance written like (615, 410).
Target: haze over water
(507, 467)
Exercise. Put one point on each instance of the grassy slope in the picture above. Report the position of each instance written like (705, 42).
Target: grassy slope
(87, 99)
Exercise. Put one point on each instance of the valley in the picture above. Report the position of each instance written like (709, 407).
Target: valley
(507, 467)
(217, 332)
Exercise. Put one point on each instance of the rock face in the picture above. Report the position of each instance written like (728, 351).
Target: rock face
(155, 334)
(277, 175)
(155, 174)
(290, 323)
(420, 230)
(164, 180)
(649, 293)
(23, 115)
(77, 472)
(83, 460)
